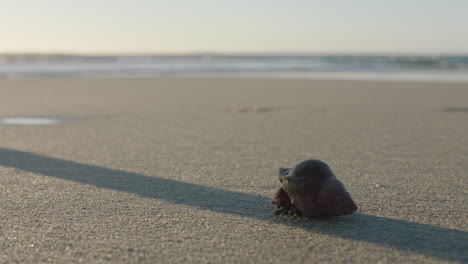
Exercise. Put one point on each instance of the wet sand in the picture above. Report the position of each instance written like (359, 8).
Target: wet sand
(177, 170)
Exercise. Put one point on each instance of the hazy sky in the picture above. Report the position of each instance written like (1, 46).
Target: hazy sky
(145, 26)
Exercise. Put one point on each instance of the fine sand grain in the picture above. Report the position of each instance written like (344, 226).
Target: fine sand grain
(182, 170)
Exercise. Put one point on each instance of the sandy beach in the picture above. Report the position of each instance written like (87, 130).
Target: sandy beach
(182, 170)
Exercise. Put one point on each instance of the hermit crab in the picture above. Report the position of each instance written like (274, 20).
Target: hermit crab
(312, 189)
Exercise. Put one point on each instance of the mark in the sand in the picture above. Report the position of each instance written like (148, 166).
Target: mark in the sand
(31, 121)
(455, 109)
(319, 109)
(251, 109)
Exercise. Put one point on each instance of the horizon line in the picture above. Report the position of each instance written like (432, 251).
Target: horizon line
(228, 53)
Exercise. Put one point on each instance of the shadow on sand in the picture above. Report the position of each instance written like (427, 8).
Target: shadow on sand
(429, 240)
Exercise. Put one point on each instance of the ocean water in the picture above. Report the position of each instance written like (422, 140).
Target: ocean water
(385, 67)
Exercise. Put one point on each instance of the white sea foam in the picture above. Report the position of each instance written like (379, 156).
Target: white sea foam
(35, 121)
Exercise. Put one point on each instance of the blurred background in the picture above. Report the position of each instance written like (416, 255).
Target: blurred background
(361, 39)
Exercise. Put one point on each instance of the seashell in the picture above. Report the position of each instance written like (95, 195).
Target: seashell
(312, 189)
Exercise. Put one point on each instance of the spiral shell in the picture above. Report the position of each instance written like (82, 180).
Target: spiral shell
(312, 189)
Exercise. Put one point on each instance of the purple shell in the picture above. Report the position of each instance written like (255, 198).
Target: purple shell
(311, 189)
